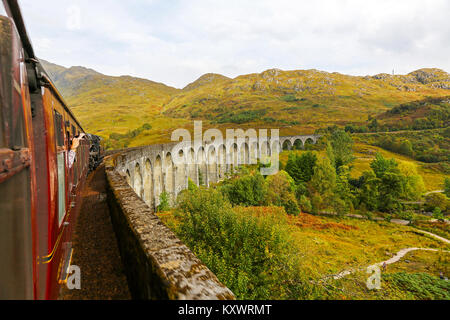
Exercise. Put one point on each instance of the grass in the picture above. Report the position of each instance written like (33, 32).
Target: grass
(440, 228)
(414, 277)
(329, 245)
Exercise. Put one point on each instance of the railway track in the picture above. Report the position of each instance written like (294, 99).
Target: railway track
(95, 248)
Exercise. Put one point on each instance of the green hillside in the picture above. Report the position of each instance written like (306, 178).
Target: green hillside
(106, 104)
(305, 99)
(130, 112)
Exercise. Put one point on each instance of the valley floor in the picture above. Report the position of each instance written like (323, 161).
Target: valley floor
(332, 245)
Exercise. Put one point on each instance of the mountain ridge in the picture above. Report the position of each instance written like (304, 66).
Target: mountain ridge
(295, 101)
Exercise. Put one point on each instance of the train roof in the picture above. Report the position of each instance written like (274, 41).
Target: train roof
(13, 10)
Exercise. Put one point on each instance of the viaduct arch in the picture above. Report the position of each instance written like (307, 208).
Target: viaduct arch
(155, 169)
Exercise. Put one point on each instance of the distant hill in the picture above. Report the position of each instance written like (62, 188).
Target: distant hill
(428, 113)
(209, 79)
(307, 98)
(106, 104)
(299, 101)
(69, 80)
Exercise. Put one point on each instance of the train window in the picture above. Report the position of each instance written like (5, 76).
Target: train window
(61, 162)
(59, 129)
(68, 138)
(74, 131)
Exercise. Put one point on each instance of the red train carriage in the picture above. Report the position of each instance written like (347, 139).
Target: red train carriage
(39, 191)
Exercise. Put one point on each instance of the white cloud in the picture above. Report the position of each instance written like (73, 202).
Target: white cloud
(177, 41)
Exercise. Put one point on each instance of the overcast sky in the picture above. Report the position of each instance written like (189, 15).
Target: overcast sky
(176, 41)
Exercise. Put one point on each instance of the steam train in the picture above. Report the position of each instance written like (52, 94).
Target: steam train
(40, 191)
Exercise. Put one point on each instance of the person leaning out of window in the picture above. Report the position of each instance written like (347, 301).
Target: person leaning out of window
(73, 148)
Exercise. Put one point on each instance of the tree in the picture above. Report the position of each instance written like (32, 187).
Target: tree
(390, 189)
(406, 148)
(330, 154)
(373, 126)
(301, 167)
(390, 183)
(247, 190)
(344, 196)
(300, 190)
(323, 184)
(437, 200)
(381, 165)
(342, 146)
(369, 194)
(414, 186)
(280, 192)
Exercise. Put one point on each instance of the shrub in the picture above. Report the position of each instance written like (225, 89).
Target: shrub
(437, 214)
(248, 190)
(163, 202)
(191, 185)
(420, 286)
(305, 204)
(249, 254)
(436, 200)
(289, 98)
(281, 192)
(407, 215)
(146, 126)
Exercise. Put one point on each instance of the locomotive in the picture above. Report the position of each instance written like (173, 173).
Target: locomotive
(40, 189)
(96, 151)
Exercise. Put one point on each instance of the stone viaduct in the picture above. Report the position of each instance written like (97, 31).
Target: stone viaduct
(157, 264)
(155, 169)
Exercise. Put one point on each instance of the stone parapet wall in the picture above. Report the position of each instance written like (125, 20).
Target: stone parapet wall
(157, 264)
